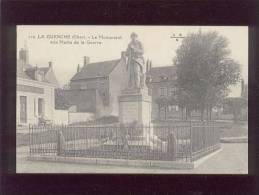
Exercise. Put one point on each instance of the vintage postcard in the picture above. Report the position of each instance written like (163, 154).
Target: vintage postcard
(132, 99)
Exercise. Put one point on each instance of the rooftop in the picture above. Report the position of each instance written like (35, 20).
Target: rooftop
(162, 73)
(28, 72)
(97, 69)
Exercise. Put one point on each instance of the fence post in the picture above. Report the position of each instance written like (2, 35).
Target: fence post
(30, 139)
(172, 141)
(215, 136)
(191, 140)
(60, 144)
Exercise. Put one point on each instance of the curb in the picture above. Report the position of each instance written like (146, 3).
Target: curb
(180, 165)
(115, 162)
(234, 140)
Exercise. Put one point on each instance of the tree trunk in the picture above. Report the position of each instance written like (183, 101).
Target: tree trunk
(182, 109)
(159, 112)
(207, 113)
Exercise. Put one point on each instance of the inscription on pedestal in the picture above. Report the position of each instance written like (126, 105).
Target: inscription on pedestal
(130, 112)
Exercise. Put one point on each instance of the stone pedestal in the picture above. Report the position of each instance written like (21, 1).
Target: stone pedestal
(136, 132)
(135, 109)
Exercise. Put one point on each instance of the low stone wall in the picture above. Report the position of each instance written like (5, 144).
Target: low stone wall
(65, 117)
(60, 117)
(116, 162)
(74, 117)
(181, 165)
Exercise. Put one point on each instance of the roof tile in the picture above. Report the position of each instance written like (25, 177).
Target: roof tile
(159, 73)
(98, 69)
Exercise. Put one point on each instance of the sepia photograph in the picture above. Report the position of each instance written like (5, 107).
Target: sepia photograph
(133, 99)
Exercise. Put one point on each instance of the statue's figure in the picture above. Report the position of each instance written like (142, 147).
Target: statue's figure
(135, 63)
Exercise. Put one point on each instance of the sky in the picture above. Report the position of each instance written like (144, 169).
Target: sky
(57, 44)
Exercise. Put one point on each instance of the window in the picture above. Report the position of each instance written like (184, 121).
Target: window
(173, 108)
(163, 91)
(162, 113)
(172, 91)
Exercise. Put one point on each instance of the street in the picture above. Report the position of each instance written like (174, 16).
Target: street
(233, 159)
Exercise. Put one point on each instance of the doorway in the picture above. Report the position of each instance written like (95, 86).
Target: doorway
(23, 109)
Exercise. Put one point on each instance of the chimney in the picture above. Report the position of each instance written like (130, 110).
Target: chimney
(36, 72)
(24, 56)
(50, 64)
(86, 60)
(123, 55)
(78, 68)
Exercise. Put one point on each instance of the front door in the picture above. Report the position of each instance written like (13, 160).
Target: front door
(162, 113)
(23, 109)
(41, 107)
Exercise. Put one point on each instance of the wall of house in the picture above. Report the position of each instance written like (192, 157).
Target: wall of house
(117, 83)
(84, 100)
(94, 83)
(100, 88)
(38, 90)
(102, 108)
(107, 90)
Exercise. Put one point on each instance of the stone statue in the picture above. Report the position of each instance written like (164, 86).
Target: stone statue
(135, 63)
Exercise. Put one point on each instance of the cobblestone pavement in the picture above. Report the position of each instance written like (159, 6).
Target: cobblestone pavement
(233, 159)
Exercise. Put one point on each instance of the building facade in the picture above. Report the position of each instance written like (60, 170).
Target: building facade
(96, 86)
(163, 89)
(35, 86)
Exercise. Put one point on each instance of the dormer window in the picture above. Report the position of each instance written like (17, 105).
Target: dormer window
(163, 77)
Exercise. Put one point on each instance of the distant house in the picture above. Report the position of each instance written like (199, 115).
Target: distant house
(96, 86)
(163, 86)
(244, 89)
(164, 89)
(35, 91)
(237, 107)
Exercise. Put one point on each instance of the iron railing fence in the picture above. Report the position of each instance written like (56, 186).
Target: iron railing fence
(180, 142)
